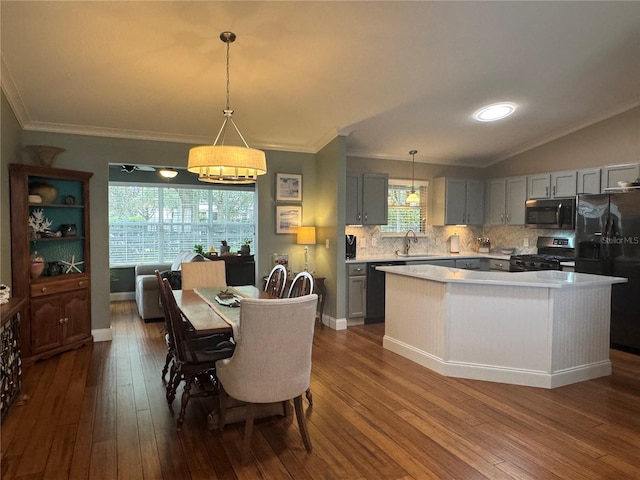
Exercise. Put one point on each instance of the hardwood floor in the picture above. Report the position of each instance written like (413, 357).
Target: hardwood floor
(100, 412)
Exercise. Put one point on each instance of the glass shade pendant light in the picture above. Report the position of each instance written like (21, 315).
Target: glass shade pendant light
(413, 197)
(220, 163)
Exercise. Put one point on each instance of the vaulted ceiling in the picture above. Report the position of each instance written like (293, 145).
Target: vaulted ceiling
(393, 75)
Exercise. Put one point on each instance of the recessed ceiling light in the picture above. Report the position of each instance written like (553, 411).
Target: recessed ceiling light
(494, 112)
(168, 172)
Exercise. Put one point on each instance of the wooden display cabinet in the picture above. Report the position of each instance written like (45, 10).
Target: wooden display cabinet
(58, 316)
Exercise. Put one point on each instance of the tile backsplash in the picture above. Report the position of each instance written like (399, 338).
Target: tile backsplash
(436, 239)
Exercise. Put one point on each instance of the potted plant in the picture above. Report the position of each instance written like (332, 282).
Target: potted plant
(246, 248)
(224, 248)
(198, 249)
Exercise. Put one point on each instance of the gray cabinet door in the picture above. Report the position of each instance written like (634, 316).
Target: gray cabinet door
(375, 194)
(539, 186)
(563, 184)
(516, 197)
(613, 174)
(354, 199)
(495, 190)
(588, 180)
(474, 202)
(356, 296)
(455, 201)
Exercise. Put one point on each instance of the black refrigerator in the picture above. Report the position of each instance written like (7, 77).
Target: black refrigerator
(608, 243)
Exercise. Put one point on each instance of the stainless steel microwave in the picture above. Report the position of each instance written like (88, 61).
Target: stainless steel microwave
(558, 213)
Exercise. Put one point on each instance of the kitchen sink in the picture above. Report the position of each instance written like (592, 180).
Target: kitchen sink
(416, 255)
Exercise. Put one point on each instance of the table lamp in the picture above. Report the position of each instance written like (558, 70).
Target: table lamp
(306, 236)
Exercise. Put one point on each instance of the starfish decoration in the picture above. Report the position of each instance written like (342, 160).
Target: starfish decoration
(73, 265)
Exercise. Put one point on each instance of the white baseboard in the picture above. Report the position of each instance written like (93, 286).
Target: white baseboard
(491, 373)
(122, 296)
(102, 334)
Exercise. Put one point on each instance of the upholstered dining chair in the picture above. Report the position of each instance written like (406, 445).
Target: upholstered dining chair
(302, 284)
(276, 281)
(193, 359)
(272, 359)
(203, 274)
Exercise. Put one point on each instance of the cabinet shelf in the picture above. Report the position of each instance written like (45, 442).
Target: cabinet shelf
(57, 239)
(53, 205)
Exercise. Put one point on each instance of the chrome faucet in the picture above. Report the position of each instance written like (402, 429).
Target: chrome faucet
(407, 241)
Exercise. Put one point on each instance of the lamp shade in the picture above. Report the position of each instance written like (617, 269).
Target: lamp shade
(306, 236)
(226, 163)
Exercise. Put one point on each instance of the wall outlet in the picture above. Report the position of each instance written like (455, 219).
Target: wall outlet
(374, 242)
(326, 244)
(525, 242)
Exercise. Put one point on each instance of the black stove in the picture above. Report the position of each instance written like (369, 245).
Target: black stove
(551, 252)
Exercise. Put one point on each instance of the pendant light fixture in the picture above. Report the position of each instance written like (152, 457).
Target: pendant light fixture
(220, 163)
(413, 197)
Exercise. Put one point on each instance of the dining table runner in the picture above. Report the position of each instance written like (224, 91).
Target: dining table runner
(231, 315)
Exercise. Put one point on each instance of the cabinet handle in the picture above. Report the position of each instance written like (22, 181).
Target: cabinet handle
(546, 191)
(366, 217)
(81, 283)
(553, 191)
(61, 321)
(43, 289)
(502, 217)
(507, 218)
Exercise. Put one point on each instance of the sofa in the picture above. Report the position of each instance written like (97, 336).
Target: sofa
(148, 290)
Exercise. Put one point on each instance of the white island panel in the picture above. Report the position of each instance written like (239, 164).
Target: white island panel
(491, 326)
(542, 329)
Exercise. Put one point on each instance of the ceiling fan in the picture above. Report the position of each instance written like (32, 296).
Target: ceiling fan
(141, 168)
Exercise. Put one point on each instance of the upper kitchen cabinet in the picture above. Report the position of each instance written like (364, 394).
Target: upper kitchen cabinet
(506, 199)
(589, 180)
(552, 185)
(457, 201)
(367, 199)
(612, 174)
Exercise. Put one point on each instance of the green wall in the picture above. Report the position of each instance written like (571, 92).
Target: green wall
(10, 135)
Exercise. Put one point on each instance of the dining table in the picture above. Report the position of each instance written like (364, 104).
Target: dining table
(207, 316)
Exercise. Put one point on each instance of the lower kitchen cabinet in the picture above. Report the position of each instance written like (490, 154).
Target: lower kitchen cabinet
(356, 290)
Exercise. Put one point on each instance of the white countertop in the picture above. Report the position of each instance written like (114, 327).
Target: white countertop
(543, 279)
(425, 256)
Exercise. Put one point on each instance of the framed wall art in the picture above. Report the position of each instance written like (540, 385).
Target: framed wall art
(288, 187)
(288, 218)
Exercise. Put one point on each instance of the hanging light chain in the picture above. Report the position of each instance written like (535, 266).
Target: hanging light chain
(228, 41)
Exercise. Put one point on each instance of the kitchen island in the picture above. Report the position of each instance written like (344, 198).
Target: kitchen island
(541, 329)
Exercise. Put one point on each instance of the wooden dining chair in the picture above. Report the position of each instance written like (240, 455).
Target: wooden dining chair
(193, 359)
(203, 274)
(276, 281)
(272, 359)
(302, 284)
(168, 336)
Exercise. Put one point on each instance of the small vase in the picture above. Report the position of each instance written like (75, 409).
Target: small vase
(37, 267)
(46, 153)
